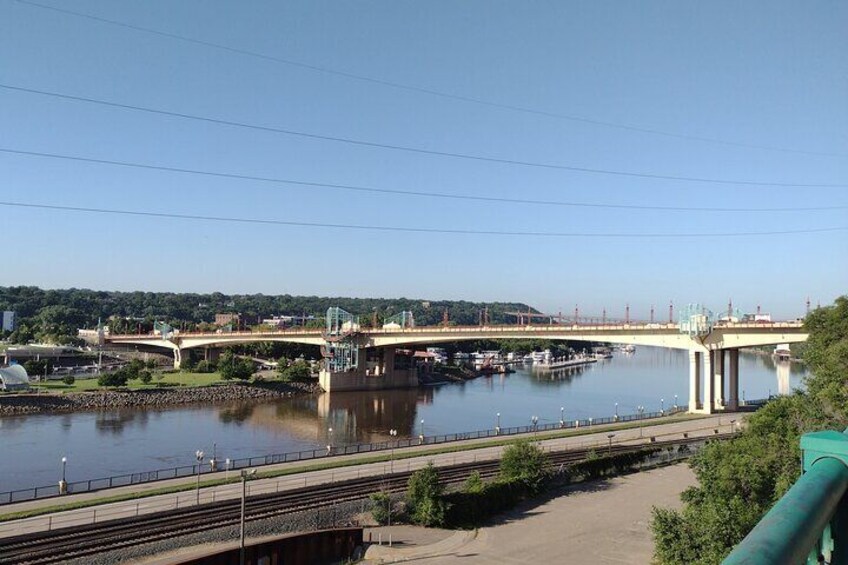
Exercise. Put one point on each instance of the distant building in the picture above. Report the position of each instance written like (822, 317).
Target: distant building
(224, 319)
(287, 321)
(8, 321)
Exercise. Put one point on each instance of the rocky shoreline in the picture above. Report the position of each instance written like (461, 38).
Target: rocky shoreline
(12, 404)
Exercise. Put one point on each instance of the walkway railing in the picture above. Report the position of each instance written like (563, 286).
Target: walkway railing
(91, 485)
(809, 524)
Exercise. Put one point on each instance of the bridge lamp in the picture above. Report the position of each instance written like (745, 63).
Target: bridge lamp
(198, 455)
(245, 474)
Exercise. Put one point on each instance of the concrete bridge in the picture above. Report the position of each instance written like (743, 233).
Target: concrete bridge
(365, 358)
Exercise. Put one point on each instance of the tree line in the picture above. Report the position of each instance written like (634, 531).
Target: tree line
(53, 316)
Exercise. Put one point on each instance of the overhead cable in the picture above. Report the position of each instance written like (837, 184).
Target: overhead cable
(424, 90)
(420, 150)
(361, 227)
(418, 193)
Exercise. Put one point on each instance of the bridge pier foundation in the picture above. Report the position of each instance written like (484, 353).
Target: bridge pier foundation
(179, 355)
(733, 384)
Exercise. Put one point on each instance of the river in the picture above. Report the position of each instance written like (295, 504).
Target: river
(101, 444)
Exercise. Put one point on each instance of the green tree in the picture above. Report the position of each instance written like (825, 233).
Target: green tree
(525, 462)
(739, 480)
(232, 366)
(69, 380)
(474, 483)
(297, 371)
(380, 506)
(114, 378)
(424, 497)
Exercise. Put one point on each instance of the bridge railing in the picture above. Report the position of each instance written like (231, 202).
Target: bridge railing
(809, 524)
(91, 485)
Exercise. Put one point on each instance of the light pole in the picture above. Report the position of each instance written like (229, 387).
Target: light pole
(732, 425)
(393, 433)
(329, 441)
(63, 485)
(616, 412)
(641, 411)
(562, 416)
(662, 406)
(245, 473)
(609, 437)
(199, 456)
(213, 463)
(675, 403)
(421, 436)
(534, 420)
(227, 463)
(498, 426)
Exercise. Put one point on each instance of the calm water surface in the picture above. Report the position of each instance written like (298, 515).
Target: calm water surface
(100, 444)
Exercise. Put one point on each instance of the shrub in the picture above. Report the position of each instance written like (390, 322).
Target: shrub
(524, 462)
(380, 507)
(423, 496)
(69, 380)
(145, 376)
(115, 378)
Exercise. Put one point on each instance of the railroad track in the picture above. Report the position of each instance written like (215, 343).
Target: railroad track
(61, 545)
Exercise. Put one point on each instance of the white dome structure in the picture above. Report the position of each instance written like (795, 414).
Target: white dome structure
(14, 377)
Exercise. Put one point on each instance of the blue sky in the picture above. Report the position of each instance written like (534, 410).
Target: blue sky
(757, 73)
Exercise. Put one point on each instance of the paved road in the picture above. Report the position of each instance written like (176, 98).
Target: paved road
(104, 512)
(598, 522)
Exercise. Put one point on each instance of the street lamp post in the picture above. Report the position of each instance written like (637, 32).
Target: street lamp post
(641, 411)
(421, 435)
(213, 463)
(227, 463)
(609, 437)
(63, 485)
(562, 416)
(675, 403)
(393, 433)
(662, 406)
(616, 412)
(199, 456)
(329, 441)
(498, 426)
(534, 420)
(245, 473)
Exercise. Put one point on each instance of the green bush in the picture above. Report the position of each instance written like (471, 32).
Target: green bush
(469, 508)
(297, 371)
(145, 376)
(424, 497)
(115, 378)
(69, 380)
(525, 462)
(380, 507)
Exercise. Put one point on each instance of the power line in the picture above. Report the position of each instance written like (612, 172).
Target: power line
(424, 194)
(423, 90)
(260, 221)
(417, 150)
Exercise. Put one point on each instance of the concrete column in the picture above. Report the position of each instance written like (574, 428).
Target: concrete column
(178, 357)
(709, 389)
(733, 384)
(694, 381)
(718, 369)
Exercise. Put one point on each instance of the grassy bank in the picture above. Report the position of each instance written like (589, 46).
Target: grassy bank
(177, 378)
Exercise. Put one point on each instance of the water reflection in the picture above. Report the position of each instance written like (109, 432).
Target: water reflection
(121, 441)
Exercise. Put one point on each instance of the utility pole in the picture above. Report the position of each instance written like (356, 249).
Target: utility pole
(670, 312)
(652, 313)
(627, 314)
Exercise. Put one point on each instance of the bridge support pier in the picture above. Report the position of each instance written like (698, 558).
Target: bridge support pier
(378, 368)
(733, 384)
(709, 385)
(179, 355)
(695, 380)
(718, 384)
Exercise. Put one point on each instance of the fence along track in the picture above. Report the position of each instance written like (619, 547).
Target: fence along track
(79, 541)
